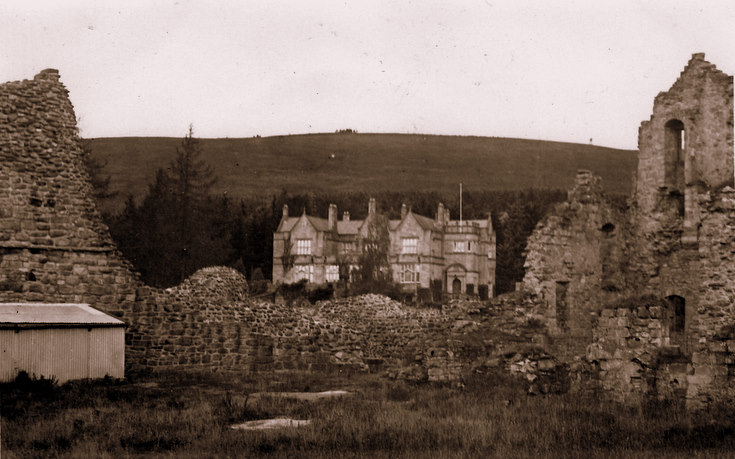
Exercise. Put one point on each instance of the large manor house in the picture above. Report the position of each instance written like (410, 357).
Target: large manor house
(444, 255)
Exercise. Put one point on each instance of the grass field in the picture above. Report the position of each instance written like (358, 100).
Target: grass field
(368, 162)
(175, 416)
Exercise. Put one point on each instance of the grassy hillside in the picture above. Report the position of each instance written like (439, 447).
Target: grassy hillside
(367, 162)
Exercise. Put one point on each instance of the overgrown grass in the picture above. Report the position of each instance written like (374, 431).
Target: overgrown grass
(189, 416)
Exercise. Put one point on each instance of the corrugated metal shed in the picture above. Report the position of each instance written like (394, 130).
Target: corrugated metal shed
(63, 341)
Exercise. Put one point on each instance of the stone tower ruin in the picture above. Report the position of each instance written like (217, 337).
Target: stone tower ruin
(53, 244)
(646, 293)
(686, 147)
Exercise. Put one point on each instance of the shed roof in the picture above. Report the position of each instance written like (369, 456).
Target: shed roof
(14, 315)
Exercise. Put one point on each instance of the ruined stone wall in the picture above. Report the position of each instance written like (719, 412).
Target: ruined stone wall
(637, 347)
(673, 247)
(702, 100)
(53, 244)
(626, 344)
(575, 257)
(634, 356)
(55, 248)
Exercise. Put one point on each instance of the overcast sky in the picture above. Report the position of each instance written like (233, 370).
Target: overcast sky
(562, 70)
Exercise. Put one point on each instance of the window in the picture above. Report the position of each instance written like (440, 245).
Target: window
(303, 272)
(332, 273)
(349, 247)
(303, 247)
(462, 246)
(491, 252)
(410, 274)
(674, 142)
(410, 245)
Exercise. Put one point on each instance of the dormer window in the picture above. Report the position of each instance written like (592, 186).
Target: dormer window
(410, 245)
(303, 247)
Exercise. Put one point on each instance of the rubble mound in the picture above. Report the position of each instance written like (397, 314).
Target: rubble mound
(216, 284)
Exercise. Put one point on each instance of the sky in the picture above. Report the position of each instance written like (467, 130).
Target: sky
(571, 71)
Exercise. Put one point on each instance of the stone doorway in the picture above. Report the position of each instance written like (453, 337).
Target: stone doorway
(456, 287)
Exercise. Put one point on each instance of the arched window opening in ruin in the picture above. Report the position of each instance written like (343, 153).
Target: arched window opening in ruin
(674, 144)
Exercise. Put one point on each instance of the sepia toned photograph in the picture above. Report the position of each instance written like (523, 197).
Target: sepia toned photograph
(347, 229)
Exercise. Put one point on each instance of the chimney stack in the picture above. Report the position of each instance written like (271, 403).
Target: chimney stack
(285, 211)
(332, 222)
(346, 216)
(371, 207)
(404, 211)
(440, 214)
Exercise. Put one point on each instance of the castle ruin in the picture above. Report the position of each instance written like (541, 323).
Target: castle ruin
(640, 295)
(645, 292)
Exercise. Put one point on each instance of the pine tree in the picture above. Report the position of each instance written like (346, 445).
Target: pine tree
(190, 181)
(99, 180)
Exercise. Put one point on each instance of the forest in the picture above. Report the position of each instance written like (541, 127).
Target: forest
(180, 225)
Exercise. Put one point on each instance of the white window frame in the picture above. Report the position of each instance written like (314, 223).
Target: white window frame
(303, 246)
(410, 274)
(303, 272)
(331, 273)
(410, 245)
(462, 246)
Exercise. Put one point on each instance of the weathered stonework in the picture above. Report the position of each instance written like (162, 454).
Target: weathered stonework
(574, 258)
(674, 244)
(55, 248)
(53, 244)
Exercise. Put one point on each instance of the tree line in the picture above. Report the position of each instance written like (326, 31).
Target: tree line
(180, 226)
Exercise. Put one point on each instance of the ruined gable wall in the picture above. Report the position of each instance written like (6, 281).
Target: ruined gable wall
(682, 240)
(702, 99)
(574, 258)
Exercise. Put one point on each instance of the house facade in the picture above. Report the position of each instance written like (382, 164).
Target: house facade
(444, 255)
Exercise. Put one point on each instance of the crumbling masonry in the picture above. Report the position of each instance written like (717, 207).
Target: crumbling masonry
(638, 296)
(55, 248)
(646, 292)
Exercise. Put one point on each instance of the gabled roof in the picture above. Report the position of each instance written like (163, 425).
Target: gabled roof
(288, 224)
(349, 227)
(30, 315)
(319, 223)
(426, 222)
(352, 227)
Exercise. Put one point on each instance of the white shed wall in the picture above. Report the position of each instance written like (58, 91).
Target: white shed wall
(63, 353)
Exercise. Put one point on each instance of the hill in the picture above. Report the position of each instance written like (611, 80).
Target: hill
(367, 162)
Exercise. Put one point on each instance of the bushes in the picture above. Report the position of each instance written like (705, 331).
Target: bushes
(302, 290)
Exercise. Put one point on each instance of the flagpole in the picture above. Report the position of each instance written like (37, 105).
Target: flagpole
(460, 204)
